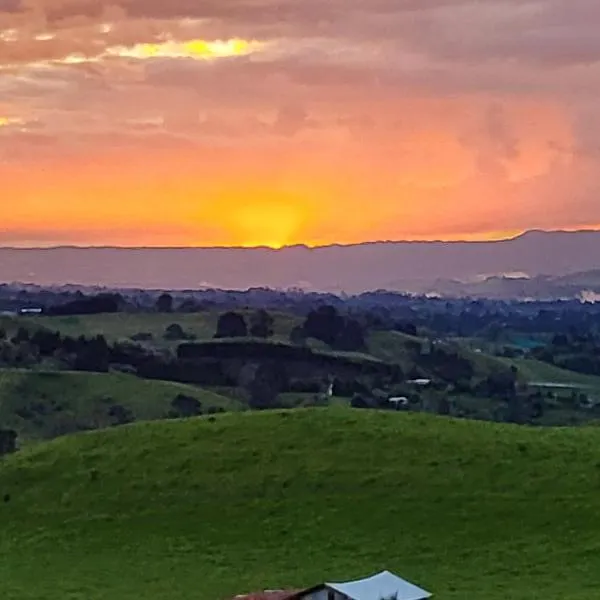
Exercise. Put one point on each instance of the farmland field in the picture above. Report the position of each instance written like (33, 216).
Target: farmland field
(208, 508)
(116, 326)
(43, 404)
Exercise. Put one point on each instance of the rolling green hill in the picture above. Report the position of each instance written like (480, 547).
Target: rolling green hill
(537, 371)
(393, 346)
(389, 346)
(208, 508)
(118, 326)
(42, 404)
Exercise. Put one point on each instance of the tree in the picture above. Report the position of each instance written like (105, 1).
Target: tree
(175, 332)
(8, 441)
(350, 337)
(184, 406)
(84, 305)
(341, 333)
(323, 324)
(22, 335)
(92, 355)
(261, 324)
(164, 304)
(265, 386)
(231, 324)
(444, 407)
(120, 415)
(48, 342)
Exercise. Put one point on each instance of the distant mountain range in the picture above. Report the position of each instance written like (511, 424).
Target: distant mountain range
(534, 264)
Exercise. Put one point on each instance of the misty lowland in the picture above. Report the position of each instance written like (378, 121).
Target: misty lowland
(162, 443)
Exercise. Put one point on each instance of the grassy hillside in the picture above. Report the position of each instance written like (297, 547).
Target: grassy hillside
(535, 370)
(389, 346)
(124, 325)
(45, 404)
(211, 508)
(394, 346)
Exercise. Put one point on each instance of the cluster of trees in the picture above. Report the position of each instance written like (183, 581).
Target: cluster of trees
(233, 324)
(89, 305)
(380, 309)
(270, 368)
(326, 324)
(575, 351)
(489, 319)
(445, 365)
(43, 418)
(27, 349)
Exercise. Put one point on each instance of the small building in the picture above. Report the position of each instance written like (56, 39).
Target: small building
(31, 311)
(399, 402)
(383, 586)
(420, 382)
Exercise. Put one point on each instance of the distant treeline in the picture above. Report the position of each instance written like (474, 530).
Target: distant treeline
(490, 319)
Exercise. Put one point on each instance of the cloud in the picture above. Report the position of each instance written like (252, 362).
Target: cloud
(439, 115)
(11, 122)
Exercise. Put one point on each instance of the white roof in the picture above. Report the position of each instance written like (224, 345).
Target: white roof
(382, 586)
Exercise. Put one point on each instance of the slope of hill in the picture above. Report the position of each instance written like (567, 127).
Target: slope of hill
(214, 507)
(42, 404)
(118, 326)
(353, 268)
(535, 371)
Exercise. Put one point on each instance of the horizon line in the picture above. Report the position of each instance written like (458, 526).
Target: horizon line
(301, 245)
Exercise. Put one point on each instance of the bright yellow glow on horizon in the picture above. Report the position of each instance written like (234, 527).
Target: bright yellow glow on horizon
(266, 224)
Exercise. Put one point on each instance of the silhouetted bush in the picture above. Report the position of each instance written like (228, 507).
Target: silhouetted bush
(184, 406)
(261, 324)
(164, 303)
(175, 332)
(120, 415)
(231, 324)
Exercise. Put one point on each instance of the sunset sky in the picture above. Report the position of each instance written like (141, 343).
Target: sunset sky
(246, 122)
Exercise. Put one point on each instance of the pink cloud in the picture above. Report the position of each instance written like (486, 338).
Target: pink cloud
(481, 111)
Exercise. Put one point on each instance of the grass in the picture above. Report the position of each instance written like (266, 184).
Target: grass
(388, 346)
(81, 400)
(209, 508)
(392, 347)
(538, 371)
(120, 326)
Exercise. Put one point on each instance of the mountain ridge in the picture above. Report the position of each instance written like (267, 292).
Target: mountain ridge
(395, 266)
(524, 234)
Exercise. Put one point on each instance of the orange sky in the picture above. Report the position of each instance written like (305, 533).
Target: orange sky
(144, 123)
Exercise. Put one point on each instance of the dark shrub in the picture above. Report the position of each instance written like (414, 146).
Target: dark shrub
(231, 324)
(184, 406)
